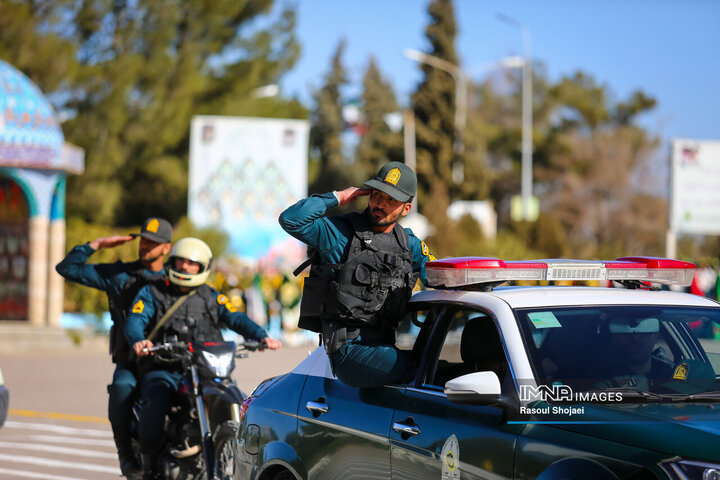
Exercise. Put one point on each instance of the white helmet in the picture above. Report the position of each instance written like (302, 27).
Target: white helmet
(191, 249)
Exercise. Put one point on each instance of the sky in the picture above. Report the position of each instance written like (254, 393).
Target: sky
(670, 49)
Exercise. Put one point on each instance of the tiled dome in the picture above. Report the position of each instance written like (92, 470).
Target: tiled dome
(30, 135)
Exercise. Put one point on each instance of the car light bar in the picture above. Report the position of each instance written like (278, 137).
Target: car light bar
(466, 271)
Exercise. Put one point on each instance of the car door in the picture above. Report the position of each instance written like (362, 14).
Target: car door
(342, 431)
(431, 437)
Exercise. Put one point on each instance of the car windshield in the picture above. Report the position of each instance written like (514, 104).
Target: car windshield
(660, 349)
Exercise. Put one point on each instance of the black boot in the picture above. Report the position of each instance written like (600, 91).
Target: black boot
(129, 466)
(149, 467)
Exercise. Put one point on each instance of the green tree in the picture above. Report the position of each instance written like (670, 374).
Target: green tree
(378, 144)
(136, 72)
(434, 107)
(328, 170)
(590, 162)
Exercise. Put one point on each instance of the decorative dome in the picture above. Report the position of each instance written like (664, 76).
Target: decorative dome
(30, 135)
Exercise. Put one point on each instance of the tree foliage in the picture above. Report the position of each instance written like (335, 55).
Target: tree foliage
(590, 163)
(434, 106)
(378, 143)
(130, 75)
(327, 125)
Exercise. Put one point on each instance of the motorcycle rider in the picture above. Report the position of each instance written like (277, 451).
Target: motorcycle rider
(121, 282)
(179, 308)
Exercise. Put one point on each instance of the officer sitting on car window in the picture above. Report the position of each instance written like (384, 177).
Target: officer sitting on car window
(633, 363)
(364, 268)
(183, 308)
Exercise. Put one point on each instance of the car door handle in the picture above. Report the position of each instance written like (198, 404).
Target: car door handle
(317, 408)
(406, 429)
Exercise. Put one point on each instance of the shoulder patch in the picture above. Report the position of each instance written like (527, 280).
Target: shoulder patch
(426, 251)
(138, 307)
(222, 299)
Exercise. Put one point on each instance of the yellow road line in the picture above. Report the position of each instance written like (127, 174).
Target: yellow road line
(57, 416)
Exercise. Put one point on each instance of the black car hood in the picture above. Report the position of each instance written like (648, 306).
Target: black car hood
(687, 430)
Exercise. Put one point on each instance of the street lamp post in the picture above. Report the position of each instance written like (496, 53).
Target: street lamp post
(460, 90)
(526, 173)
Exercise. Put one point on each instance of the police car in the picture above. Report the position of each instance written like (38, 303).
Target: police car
(513, 382)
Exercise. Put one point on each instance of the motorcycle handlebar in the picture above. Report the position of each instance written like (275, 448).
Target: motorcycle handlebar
(247, 345)
(251, 345)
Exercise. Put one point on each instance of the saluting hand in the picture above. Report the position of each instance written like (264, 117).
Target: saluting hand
(109, 242)
(349, 195)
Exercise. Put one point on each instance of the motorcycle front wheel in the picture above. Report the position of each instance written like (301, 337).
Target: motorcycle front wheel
(226, 451)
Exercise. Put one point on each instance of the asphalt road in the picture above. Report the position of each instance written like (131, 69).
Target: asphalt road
(57, 427)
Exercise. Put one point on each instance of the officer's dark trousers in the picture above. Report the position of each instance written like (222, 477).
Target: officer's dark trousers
(365, 364)
(120, 400)
(157, 388)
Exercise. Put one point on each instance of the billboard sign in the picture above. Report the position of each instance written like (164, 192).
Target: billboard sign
(695, 187)
(243, 172)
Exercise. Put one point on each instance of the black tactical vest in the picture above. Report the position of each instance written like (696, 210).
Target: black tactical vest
(120, 305)
(370, 289)
(196, 320)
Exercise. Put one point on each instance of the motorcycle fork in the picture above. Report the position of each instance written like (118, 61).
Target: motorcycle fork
(208, 446)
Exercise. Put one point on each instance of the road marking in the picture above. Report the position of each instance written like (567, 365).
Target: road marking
(57, 416)
(38, 447)
(59, 429)
(46, 462)
(72, 440)
(43, 476)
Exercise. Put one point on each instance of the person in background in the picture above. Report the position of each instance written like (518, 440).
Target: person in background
(121, 281)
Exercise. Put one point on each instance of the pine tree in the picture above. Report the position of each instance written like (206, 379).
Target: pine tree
(434, 107)
(379, 144)
(434, 102)
(326, 147)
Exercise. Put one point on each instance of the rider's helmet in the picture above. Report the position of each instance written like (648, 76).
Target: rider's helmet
(191, 249)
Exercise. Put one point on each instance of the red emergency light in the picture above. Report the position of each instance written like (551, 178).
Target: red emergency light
(461, 272)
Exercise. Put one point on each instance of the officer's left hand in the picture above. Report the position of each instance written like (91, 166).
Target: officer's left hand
(272, 343)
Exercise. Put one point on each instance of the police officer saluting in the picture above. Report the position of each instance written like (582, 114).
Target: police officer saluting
(181, 308)
(121, 282)
(363, 270)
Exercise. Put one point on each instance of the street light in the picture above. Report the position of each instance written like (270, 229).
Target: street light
(460, 89)
(501, 63)
(526, 173)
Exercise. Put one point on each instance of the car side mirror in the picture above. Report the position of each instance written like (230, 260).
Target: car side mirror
(481, 388)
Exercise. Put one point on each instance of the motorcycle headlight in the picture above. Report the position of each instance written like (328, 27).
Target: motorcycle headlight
(692, 470)
(220, 364)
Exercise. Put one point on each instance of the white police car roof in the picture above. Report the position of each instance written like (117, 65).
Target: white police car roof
(540, 296)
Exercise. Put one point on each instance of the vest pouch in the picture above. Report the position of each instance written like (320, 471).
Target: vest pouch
(318, 300)
(360, 293)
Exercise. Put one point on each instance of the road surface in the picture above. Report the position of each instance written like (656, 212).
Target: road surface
(57, 427)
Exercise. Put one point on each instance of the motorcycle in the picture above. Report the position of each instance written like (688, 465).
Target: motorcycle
(203, 421)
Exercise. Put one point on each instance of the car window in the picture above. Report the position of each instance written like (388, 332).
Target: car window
(646, 347)
(408, 329)
(470, 343)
